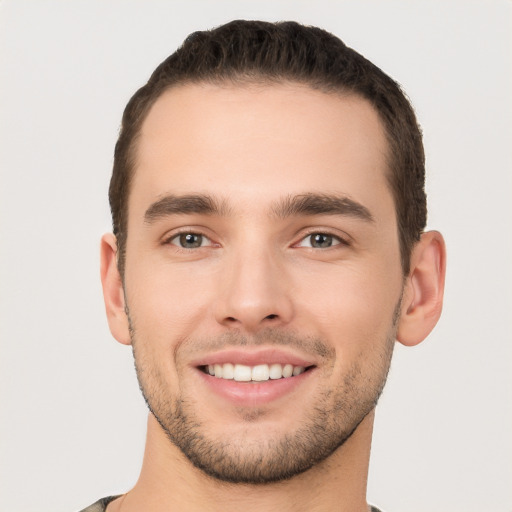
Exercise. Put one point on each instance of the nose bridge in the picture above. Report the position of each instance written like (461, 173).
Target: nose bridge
(254, 290)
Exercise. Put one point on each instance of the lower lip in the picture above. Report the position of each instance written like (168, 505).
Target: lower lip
(254, 393)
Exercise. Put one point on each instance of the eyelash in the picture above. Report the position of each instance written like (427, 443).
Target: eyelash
(174, 236)
(340, 240)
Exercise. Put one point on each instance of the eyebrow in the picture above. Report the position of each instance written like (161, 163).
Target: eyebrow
(303, 204)
(321, 204)
(187, 204)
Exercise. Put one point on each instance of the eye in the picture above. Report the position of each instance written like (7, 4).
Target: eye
(190, 240)
(320, 241)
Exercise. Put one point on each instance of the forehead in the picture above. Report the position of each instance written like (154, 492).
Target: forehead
(254, 142)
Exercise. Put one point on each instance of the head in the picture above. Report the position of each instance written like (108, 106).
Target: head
(268, 209)
(245, 52)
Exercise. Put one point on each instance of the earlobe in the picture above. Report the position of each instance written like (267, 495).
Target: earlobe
(423, 292)
(113, 293)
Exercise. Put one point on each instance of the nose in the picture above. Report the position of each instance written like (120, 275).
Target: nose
(254, 292)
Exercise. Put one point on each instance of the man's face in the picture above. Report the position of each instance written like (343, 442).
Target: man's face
(262, 240)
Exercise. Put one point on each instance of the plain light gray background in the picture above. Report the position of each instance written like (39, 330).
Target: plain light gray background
(72, 421)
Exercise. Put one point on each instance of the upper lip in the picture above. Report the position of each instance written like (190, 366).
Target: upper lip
(254, 357)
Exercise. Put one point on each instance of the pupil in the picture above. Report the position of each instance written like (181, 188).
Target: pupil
(321, 240)
(190, 240)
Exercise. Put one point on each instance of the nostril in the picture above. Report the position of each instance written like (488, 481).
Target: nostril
(232, 320)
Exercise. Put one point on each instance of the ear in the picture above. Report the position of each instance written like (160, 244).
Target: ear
(113, 292)
(423, 292)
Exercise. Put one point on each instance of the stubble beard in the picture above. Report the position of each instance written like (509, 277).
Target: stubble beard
(333, 419)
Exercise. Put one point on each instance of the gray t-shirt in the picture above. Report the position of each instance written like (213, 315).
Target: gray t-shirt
(101, 505)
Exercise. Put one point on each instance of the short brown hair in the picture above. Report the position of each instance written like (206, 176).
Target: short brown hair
(256, 51)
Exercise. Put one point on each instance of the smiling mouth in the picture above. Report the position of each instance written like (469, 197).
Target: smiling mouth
(257, 373)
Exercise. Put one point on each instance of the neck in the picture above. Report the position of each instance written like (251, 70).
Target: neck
(168, 481)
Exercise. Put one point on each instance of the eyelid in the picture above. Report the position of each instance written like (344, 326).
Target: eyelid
(342, 240)
(168, 238)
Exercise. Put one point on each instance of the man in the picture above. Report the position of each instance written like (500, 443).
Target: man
(268, 250)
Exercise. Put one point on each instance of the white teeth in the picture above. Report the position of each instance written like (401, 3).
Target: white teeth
(228, 371)
(275, 371)
(258, 373)
(287, 370)
(218, 371)
(297, 370)
(242, 373)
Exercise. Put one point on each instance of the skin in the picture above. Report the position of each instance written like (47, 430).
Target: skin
(256, 280)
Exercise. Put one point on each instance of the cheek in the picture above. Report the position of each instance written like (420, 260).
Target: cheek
(165, 304)
(353, 310)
